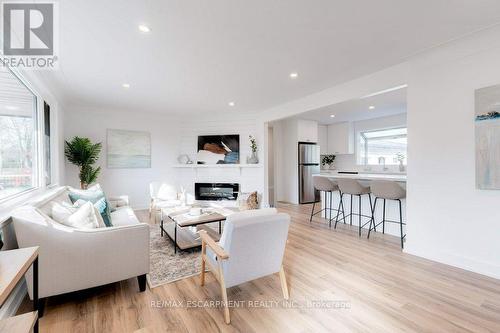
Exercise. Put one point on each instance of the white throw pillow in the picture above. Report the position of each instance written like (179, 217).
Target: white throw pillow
(83, 217)
(100, 221)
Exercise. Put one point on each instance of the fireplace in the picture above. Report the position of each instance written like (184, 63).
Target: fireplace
(216, 191)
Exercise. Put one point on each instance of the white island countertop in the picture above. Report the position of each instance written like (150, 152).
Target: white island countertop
(397, 177)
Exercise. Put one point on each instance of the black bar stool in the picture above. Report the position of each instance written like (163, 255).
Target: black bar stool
(327, 186)
(388, 190)
(353, 188)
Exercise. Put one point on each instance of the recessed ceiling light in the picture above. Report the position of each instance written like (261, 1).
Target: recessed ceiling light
(294, 75)
(371, 107)
(144, 28)
(10, 107)
(231, 104)
(126, 85)
(332, 116)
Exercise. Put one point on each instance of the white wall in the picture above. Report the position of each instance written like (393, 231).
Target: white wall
(448, 219)
(451, 221)
(286, 163)
(165, 131)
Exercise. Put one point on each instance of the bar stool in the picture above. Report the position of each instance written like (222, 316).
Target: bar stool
(327, 186)
(388, 190)
(353, 188)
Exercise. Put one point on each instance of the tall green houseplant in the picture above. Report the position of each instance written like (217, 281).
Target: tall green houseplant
(84, 154)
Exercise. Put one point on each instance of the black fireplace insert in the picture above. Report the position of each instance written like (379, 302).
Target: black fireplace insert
(216, 191)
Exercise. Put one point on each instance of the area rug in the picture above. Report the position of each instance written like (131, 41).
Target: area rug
(167, 266)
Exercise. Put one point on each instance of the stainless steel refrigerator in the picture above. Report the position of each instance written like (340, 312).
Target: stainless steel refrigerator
(308, 166)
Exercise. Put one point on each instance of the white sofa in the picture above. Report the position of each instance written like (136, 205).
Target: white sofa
(74, 259)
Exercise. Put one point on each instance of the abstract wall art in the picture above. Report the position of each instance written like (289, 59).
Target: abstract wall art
(218, 149)
(128, 149)
(487, 132)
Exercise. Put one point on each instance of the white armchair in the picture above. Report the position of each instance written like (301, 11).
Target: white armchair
(162, 196)
(252, 245)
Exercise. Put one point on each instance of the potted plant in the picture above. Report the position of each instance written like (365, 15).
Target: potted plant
(327, 160)
(84, 154)
(254, 159)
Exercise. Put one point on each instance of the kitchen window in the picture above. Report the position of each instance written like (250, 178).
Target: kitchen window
(377, 146)
(19, 144)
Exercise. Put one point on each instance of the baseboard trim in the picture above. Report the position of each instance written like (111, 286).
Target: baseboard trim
(14, 301)
(465, 263)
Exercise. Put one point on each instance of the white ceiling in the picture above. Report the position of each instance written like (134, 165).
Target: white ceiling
(386, 104)
(201, 55)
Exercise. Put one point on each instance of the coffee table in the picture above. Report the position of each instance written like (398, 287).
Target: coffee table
(180, 221)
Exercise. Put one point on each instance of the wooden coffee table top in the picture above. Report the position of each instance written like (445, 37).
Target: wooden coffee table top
(182, 217)
(185, 220)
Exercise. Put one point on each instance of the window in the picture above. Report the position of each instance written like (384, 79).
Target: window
(18, 136)
(387, 143)
(46, 131)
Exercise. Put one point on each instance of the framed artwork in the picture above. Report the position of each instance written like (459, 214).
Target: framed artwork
(218, 149)
(128, 149)
(487, 136)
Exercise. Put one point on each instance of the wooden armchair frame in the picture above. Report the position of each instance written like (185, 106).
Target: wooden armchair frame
(221, 255)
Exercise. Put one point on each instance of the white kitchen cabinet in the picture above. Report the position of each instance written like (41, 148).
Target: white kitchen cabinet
(307, 130)
(341, 138)
(323, 139)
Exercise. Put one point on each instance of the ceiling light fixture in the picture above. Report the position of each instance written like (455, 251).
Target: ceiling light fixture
(126, 85)
(371, 107)
(332, 116)
(294, 75)
(231, 104)
(144, 28)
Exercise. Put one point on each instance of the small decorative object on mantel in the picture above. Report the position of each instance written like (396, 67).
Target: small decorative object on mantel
(254, 159)
(328, 160)
(401, 157)
(184, 159)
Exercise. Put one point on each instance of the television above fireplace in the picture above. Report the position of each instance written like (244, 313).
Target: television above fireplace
(216, 191)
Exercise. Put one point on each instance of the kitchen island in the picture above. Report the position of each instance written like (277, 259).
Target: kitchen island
(392, 209)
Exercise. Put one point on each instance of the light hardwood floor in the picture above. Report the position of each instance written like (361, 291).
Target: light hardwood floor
(383, 289)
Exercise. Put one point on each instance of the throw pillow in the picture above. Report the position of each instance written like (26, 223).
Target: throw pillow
(98, 215)
(253, 201)
(96, 196)
(83, 217)
(248, 201)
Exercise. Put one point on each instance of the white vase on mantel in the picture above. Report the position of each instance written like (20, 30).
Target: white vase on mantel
(253, 159)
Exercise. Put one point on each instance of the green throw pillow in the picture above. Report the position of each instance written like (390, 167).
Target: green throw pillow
(97, 197)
